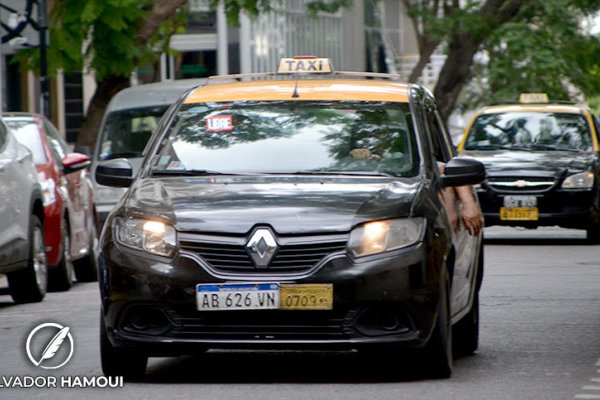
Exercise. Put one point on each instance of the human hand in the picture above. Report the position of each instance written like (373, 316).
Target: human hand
(472, 218)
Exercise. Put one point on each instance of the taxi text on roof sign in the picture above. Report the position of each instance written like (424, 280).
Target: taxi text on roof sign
(533, 98)
(304, 65)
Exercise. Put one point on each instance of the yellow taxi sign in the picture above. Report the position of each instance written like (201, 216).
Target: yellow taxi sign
(533, 98)
(305, 65)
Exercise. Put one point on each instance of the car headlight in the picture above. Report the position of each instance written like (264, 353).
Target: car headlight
(152, 236)
(379, 236)
(583, 180)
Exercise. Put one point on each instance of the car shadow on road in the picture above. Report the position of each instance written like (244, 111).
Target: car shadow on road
(285, 367)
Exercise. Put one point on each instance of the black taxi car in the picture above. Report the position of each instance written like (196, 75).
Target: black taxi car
(290, 210)
(542, 163)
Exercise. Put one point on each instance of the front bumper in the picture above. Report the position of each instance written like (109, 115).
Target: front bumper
(149, 304)
(567, 209)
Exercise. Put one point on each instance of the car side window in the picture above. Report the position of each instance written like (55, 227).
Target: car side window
(58, 145)
(442, 149)
(444, 136)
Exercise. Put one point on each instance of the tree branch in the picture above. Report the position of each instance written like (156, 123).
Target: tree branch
(161, 11)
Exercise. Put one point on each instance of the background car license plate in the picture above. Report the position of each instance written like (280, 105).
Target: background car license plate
(519, 214)
(520, 201)
(306, 297)
(237, 296)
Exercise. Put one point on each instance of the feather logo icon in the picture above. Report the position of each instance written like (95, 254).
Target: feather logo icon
(62, 337)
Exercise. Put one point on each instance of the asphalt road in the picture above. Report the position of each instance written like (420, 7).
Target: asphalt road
(540, 339)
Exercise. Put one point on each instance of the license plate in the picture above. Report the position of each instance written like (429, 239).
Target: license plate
(306, 297)
(234, 296)
(264, 296)
(519, 214)
(520, 201)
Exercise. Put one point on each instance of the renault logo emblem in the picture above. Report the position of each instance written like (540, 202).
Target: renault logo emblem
(262, 247)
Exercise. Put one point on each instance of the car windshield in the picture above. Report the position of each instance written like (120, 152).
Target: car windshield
(359, 138)
(27, 133)
(126, 132)
(531, 131)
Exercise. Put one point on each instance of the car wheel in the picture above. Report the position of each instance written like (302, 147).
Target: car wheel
(60, 278)
(466, 331)
(86, 268)
(118, 362)
(593, 233)
(438, 351)
(29, 285)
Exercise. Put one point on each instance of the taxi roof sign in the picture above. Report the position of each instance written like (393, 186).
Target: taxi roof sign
(533, 98)
(305, 65)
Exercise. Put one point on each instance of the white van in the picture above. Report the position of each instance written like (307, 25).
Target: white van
(129, 120)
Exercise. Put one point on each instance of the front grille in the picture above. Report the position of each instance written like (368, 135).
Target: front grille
(256, 325)
(290, 258)
(519, 184)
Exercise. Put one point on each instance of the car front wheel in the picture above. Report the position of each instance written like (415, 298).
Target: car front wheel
(29, 285)
(438, 351)
(86, 268)
(61, 277)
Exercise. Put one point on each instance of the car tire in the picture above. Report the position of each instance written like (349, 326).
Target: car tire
(119, 362)
(60, 278)
(29, 285)
(438, 350)
(593, 233)
(466, 331)
(86, 268)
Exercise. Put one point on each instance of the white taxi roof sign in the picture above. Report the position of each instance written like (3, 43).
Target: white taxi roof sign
(533, 98)
(305, 65)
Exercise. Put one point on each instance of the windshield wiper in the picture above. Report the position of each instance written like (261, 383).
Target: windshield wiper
(187, 172)
(338, 172)
(125, 154)
(539, 146)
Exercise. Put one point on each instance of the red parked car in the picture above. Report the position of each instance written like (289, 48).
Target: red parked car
(69, 213)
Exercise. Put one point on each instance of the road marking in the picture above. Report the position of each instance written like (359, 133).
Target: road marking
(591, 388)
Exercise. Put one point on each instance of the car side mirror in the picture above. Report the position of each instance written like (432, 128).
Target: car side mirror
(463, 171)
(75, 162)
(116, 173)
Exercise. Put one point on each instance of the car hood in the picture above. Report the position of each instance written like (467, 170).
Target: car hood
(550, 163)
(297, 206)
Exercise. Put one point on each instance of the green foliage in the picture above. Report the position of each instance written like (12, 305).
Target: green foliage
(594, 104)
(544, 50)
(97, 35)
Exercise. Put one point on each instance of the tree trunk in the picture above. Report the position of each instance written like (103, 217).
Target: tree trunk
(160, 11)
(427, 50)
(105, 90)
(455, 72)
(462, 47)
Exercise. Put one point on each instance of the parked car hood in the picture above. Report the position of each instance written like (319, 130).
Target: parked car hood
(555, 163)
(290, 206)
